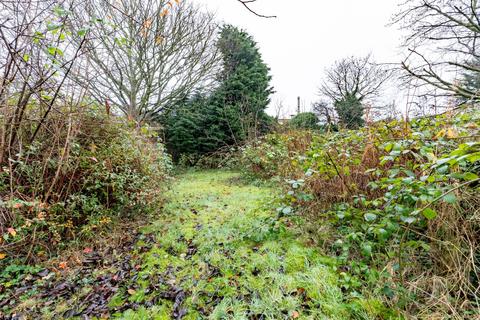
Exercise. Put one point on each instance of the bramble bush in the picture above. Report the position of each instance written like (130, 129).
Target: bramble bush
(274, 155)
(68, 169)
(397, 203)
(82, 175)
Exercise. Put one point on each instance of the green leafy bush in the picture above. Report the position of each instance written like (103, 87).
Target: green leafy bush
(397, 203)
(275, 155)
(306, 120)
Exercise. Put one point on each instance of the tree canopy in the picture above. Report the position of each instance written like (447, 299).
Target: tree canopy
(442, 43)
(349, 83)
(142, 58)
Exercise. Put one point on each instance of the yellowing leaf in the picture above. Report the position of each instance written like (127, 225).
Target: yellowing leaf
(12, 232)
(131, 292)
(2, 256)
(452, 133)
(441, 134)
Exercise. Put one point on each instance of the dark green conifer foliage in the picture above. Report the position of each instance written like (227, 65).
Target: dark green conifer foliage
(245, 89)
(234, 112)
(471, 80)
(350, 112)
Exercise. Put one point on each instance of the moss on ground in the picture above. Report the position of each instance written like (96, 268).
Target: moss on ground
(221, 245)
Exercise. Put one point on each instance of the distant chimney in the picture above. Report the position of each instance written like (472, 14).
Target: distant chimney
(298, 105)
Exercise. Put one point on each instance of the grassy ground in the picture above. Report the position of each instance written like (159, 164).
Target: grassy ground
(218, 251)
(221, 247)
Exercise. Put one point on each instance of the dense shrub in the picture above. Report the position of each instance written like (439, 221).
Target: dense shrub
(397, 203)
(306, 120)
(350, 111)
(66, 169)
(275, 155)
(84, 172)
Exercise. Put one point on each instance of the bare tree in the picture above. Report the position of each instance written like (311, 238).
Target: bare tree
(325, 112)
(443, 44)
(352, 84)
(357, 77)
(279, 108)
(145, 55)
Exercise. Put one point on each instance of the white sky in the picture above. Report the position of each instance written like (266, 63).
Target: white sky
(309, 36)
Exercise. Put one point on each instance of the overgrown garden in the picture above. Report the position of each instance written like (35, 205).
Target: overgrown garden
(143, 177)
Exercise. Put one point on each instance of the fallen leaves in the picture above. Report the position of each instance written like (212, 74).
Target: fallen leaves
(2, 256)
(96, 281)
(452, 133)
(18, 205)
(12, 232)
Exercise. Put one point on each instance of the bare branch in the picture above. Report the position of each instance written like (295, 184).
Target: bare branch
(143, 60)
(246, 4)
(359, 77)
(443, 40)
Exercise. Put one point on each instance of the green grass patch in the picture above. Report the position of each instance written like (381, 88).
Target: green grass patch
(222, 244)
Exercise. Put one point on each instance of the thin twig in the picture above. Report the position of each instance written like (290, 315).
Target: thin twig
(246, 3)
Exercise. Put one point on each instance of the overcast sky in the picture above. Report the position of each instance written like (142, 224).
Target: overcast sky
(309, 36)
